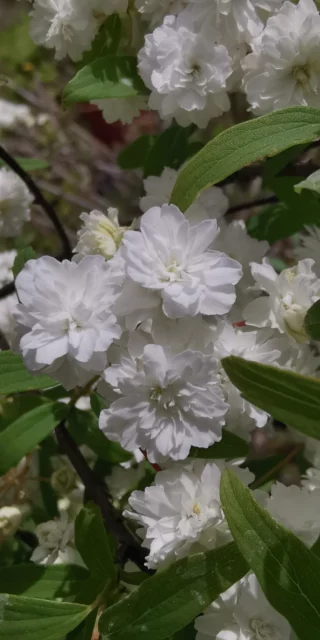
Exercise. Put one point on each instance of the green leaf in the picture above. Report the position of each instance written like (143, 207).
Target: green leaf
(35, 581)
(106, 41)
(84, 428)
(172, 598)
(108, 77)
(31, 618)
(287, 396)
(94, 545)
(22, 436)
(188, 633)
(312, 321)
(169, 150)
(85, 630)
(243, 144)
(49, 496)
(21, 258)
(312, 183)
(287, 570)
(14, 377)
(29, 164)
(135, 154)
(231, 446)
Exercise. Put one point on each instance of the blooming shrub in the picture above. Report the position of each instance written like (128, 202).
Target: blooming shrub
(159, 376)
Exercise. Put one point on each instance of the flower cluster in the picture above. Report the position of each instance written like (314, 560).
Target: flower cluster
(197, 52)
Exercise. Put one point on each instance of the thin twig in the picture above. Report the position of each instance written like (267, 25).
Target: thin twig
(278, 467)
(250, 205)
(97, 492)
(39, 199)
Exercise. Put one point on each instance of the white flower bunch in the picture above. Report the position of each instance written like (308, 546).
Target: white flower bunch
(15, 201)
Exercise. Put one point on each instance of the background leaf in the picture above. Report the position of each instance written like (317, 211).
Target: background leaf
(84, 428)
(287, 570)
(172, 598)
(14, 377)
(312, 183)
(312, 321)
(241, 145)
(231, 446)
(21, 437)
(21, 258)
(35, 581)
(26, 618)
(287, 396)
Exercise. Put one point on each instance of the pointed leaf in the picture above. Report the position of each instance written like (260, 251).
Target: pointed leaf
(172, 598)
(287, 396)
(15, 377)
(287, 570)
(241, 145)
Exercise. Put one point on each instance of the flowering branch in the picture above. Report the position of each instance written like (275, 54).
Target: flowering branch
(97, 492)
(7, 290)
(39, 199)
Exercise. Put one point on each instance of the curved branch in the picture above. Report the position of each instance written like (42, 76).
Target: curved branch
(39, 199)
(250, 205)
(129, 546)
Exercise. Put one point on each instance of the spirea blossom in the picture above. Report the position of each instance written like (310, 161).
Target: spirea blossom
(242, 613)
(211, 203)
(68, 26)
(64, 322)
(100, 234)
(186, 71)
(240, 19)
(283, 69)
(15, 201)
(10, 519)
(124, 109)
(182, 509)
(168, 402)
(290, 295)
(296, 509)
(172, 259)
(55, 541)
(7, 304)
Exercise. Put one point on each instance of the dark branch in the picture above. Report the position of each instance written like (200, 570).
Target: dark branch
(39, 199)
(250, 205)
(97, 492)
(7, 290)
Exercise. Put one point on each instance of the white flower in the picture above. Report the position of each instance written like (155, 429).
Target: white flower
(311, 479)
(7, 304)
(155, 10)
(124, 109)
(257, 346)
(10, 519)
(290, 295)
(283, 68)
(64, 321)
(12, 114)
(296, 509)
(54, 538)
(100, 234)
(238, 18)
(180, 509)
(168, 403)
(171, 257)
(242, 613)
(235, 241)
(186, 71)
(68, 26)
(15, 200)
(211, 203)
(310, 247)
